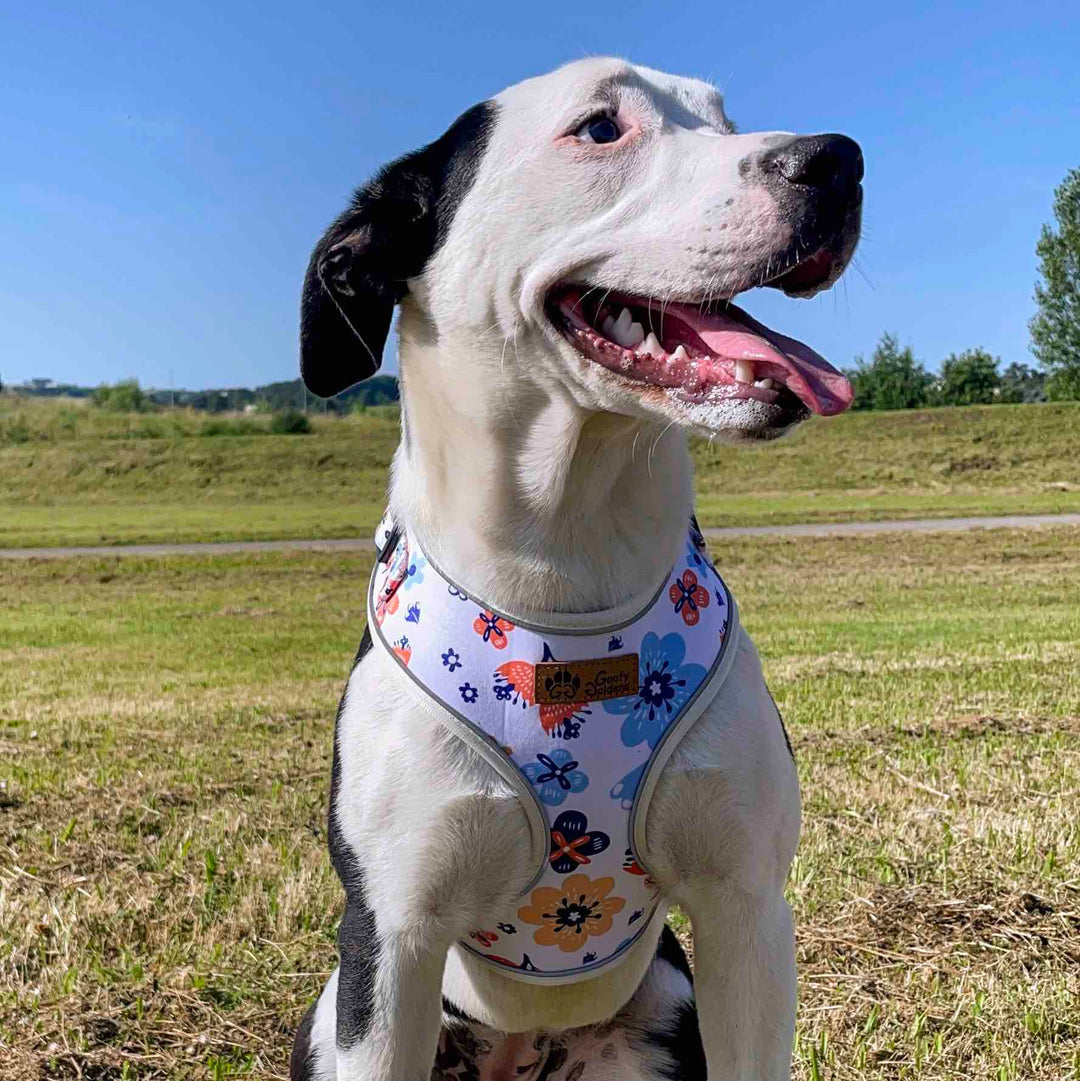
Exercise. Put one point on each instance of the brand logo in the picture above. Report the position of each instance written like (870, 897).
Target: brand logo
(562, 683)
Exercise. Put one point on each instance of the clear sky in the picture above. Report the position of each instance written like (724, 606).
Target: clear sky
(166, 168)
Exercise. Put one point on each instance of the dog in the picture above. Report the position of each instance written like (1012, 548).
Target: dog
(563, 260)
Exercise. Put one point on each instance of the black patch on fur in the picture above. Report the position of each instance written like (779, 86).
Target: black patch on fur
(682, 1043)
(362, 651)
(301, 1061)
(556, 1059)
(360, 268)
(458, 1055)
(783, 727)
(456, 1013)
(668, 949)
(358, 940)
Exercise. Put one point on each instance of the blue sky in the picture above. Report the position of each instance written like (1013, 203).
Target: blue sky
(166, 168)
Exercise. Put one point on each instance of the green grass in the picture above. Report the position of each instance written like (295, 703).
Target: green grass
(166, 902)
(71, 474)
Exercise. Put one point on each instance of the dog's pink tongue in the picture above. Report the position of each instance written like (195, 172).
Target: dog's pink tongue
(734, 335)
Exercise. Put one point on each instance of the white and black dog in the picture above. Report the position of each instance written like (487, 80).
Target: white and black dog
(563, 259)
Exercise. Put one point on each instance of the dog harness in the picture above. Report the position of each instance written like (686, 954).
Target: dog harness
(579, 713)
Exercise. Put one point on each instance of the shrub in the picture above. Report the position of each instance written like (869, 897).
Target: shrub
(1064, 385)
(124, 397)
(1020, 383)
(892, 380)
(290, 422)
(969, 378)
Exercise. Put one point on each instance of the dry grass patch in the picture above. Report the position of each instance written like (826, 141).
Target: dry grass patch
(167, 909)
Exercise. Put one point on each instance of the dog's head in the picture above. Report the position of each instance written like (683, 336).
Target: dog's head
(589, 229)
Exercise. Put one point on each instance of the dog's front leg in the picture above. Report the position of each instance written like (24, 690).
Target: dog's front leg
(744, 980)
(389, 996)
(724, 825)
(427, 882)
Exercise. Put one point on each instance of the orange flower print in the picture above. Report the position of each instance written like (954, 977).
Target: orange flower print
(493, 628)
(403, 650)
(384, 607)
(688, 597)
(515, 683)
(568, 915)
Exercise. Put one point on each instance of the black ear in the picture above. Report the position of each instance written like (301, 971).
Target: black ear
(361, 267)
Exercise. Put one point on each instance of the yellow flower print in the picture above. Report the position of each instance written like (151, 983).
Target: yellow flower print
(568, 915)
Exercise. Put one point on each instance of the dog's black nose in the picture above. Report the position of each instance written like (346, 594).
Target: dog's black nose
(824, 162)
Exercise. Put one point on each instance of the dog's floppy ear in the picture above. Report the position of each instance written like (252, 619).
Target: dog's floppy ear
(361, 267)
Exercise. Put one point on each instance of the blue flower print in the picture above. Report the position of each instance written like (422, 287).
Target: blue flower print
(625, 790)
(695, 554)
(588, 959)
(451, 659)
(697, 551)
(555, 775)
(457, 594)
(614, 643)
(635, 916)
(469, 694)
(414, 573)
(666, 686)
(413, 613)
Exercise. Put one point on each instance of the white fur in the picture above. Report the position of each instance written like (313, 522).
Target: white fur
(541, 481)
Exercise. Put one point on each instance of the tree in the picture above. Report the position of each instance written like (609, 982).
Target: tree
(1055, 327)
(1019, 383)
(969, 378)
(892, 380)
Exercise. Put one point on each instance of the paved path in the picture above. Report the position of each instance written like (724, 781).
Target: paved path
(818, 529)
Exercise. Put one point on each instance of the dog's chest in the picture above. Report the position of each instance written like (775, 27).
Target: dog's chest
(578, 714)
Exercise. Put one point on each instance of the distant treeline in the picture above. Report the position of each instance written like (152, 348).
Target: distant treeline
(894, 379)
(272, 397)
(891, 379)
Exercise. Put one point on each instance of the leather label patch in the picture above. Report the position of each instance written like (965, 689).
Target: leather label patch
(562, 683)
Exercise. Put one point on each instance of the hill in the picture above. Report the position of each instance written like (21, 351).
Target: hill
(72, 474)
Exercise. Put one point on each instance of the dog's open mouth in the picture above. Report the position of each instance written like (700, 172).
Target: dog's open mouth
(702, 353)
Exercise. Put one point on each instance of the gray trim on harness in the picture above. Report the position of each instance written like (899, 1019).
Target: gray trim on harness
(697, 705)
(535, 814)
(562, 979)
(569, 623)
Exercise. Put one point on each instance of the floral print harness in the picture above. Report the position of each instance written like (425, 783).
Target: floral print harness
(584, 770)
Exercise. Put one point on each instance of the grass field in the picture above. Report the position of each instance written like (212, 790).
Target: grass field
(167, 908)
(71, 474)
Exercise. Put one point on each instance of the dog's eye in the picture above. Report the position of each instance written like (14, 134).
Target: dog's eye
(600, 129)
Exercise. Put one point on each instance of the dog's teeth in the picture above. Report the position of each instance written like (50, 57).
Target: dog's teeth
(607, 327)
(680, 353)
(766, 383)
(630, 337)
(744, 371)
(652, 346)
(622, 324)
